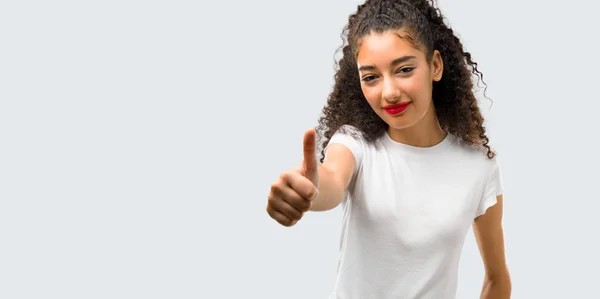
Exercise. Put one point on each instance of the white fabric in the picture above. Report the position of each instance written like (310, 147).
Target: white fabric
(406, 214)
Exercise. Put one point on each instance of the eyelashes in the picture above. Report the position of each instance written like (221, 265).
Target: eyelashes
(402, 71)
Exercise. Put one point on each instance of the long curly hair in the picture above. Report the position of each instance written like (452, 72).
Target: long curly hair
(453, 98)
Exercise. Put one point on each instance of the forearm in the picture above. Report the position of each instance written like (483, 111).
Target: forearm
(331, 191)
(496, 288)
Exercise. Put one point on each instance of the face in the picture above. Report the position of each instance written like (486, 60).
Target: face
(397, 80)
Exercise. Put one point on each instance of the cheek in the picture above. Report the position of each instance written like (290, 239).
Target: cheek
(418, 90)
(372, 94)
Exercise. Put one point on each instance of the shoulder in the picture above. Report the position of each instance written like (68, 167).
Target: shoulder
(350, 131)
(474, 154)
(472, 159)
(349, 137)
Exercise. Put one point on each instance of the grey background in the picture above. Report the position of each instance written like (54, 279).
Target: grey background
(138, 140)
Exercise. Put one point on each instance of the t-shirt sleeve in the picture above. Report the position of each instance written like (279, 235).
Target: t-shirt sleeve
(493, 187)
(351, 138)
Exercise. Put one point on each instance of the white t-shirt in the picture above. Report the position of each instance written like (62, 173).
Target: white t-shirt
(406, 215)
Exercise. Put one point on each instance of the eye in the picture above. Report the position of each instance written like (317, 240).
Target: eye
(405, 70)
(368, 78)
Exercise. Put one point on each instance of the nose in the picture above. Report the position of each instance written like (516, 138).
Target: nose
(391, 92)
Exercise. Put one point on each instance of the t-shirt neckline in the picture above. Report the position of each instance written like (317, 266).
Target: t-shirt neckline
(417, 149)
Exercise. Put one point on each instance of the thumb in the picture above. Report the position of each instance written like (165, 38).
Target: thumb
(310, 156)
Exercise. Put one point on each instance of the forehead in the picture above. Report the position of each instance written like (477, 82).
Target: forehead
(386, 45)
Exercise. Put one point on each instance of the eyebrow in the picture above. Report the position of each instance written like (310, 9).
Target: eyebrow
(396, 61)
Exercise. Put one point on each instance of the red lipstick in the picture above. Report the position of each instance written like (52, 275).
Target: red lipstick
(397, 108)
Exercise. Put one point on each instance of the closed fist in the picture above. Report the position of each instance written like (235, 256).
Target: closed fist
(291, 195)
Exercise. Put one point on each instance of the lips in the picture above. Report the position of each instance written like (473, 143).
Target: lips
(396, 108)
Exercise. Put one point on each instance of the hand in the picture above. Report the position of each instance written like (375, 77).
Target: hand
(292, 194)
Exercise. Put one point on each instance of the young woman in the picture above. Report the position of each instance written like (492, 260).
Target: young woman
(407, 156)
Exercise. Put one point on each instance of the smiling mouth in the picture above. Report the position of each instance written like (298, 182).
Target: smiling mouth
(397, 108)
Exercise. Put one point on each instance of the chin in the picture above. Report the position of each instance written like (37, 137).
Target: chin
(399, 122)
(399, 126)
(404, 120)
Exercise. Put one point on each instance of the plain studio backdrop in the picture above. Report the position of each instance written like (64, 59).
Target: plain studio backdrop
(138, 141)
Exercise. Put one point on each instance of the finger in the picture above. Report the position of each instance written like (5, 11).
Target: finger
(300, 184)
(286, 209)
(293, 198)
(310, 156)
(280, 217)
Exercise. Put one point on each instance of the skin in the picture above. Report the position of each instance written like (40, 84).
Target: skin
(490, 241)
(385, 81)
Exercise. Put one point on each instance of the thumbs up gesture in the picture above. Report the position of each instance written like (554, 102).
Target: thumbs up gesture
(291, 195)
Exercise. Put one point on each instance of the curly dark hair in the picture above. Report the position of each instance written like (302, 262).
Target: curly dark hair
(453, 97)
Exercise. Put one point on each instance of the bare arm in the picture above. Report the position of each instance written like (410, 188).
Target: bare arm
(334, 177)
(490, 240)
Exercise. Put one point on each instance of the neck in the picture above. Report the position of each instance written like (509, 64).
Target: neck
(425, 133)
